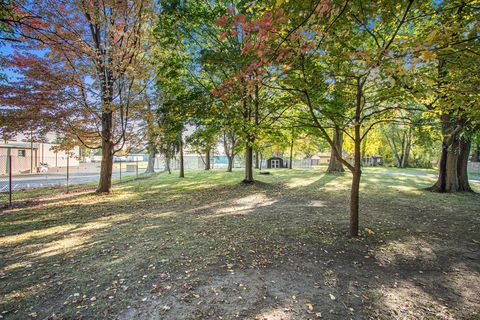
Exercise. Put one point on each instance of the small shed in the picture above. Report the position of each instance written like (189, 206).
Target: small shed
(274, 163)
(315, 160)
(373, 161)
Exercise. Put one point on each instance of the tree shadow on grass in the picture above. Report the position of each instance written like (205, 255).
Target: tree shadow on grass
(156, 244)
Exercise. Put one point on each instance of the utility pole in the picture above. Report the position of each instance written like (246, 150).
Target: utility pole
(31, 151)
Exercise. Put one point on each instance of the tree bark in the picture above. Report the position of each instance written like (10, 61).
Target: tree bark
(357, 168)
(335, 165)
(182, 167)
(106, 169)
(290, 161)
(230, 159)
(406, 146)
(462, 165)
(448, 169)
(451, 181)
(248, 164)
(257, 163)
(229, 144)
(151, 161)
(207, 159)
(167, 164)
(453, 160)
(355, 202)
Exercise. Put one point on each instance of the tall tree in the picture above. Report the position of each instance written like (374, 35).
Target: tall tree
(343, 47)
(444, 62)
(98, 46)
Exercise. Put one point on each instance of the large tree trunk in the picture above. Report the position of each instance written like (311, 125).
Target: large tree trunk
(257, 162)
(182, 168)
(335, 165)
(448, 168)
(462, 165)
(248, 164)
(105, 183)
(151, 161)
(207, 159)
(452, 168)
(106, 169)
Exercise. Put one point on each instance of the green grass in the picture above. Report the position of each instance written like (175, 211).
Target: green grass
(95, 256)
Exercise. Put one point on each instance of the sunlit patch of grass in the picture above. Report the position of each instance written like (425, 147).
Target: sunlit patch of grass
(302, 181)
(340, 184)
(29, 235)
(61, 246)
(242, 206)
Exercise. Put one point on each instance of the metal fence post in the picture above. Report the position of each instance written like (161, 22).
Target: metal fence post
(120, 170)
(68, 171)
(136, 173)
(10, 180)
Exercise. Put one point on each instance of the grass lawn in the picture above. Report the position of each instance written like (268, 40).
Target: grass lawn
(207, 247)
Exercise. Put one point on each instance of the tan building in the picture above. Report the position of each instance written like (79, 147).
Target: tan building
(28, 157)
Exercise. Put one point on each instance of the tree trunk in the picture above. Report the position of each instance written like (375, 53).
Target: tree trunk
(151, 136)
(105, 183)
(151, 161)
(207, 159)
(182, 171)
(167, 164)
(447, 170)
(393, 146)
(290, 161)
(229, 149)
(335, 165)
(106, 169)
(248, 164)
(357, 168)
(230, 162)
(452, 154)
(406, 146)
(257, 164)
(355, 202)
(462, 165)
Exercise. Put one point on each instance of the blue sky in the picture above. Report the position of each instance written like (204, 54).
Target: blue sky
(7, 49)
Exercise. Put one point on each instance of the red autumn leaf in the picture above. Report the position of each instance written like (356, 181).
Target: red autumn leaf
(222, 21)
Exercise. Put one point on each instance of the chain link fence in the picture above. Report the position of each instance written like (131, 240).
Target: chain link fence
(5, 181)
(474, 167)
(19, 173)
